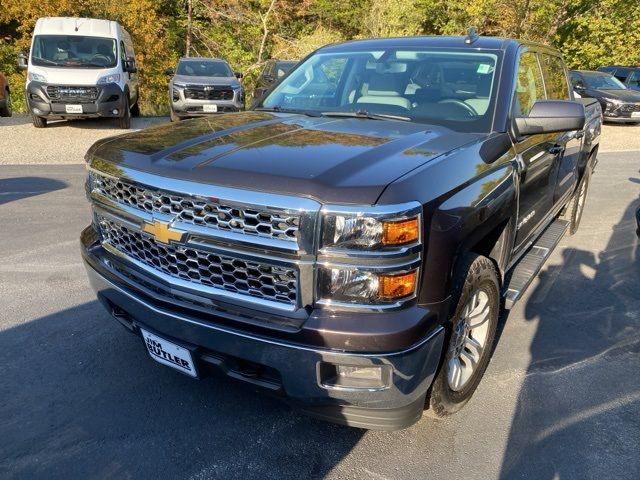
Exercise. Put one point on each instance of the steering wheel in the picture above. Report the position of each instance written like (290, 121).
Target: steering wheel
(468, 109)
(101, 58)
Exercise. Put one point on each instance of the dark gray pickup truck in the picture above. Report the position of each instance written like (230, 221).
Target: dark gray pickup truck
(348, 243)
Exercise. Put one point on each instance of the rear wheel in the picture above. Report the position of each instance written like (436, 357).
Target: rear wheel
(39, 122)
(124, 121)
(576, 205)
(471, 332)
(7, 110)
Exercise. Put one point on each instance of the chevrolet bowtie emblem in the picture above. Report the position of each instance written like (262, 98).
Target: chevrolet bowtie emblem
(162, 232)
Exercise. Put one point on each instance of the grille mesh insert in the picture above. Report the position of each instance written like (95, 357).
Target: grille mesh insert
(268, 282)
(200, 211)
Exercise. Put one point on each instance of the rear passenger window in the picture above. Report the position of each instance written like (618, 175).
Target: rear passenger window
(554, 77)
(529, 87)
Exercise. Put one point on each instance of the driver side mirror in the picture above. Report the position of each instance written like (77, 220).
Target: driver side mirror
(22, 61)
(130, 65)
(579, 86)
(170, 72)
(549, 116)
(239, 75)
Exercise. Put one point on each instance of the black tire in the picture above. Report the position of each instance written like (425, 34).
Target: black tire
(135, 110)
(174, 117)
(477, 274)
(575, 207)
(39, 122)
(124, 122)
(7, 110)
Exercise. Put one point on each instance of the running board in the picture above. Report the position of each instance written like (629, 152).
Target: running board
(523, 273)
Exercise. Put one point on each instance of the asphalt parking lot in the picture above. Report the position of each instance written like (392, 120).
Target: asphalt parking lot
(79, 397)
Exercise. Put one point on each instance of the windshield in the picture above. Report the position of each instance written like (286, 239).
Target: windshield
(74, 51)
(447, 87)
(604, 82)
(204, 68)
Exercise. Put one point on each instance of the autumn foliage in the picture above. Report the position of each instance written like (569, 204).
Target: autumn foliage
(248, 32)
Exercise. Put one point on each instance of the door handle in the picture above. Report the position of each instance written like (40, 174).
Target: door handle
(556, 149)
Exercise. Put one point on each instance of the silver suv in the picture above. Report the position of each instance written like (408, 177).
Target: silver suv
(203, 86)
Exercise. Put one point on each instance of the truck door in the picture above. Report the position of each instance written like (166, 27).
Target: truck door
(538, 154)
(568, 143)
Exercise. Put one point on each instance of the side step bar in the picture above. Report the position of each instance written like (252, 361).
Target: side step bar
(523, 273)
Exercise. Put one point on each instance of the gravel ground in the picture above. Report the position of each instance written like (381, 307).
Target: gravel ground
(80, 397)
(65, 142)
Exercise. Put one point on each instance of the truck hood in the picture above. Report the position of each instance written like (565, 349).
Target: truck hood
(195, 80)
(332, 160)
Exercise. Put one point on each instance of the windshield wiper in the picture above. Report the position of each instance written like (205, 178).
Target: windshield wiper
(365, 114)
(308, 113)
(50, 62)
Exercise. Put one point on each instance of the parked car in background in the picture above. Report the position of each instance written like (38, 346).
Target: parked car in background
(619, 104)
(202, 86)
(81, 68)
(349, 242)
(5, 97)
(273, 71)
(630, 76)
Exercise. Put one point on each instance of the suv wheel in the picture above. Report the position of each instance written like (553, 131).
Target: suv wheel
(124, 121)
(6, 111)
(39, 122)
(471, 332)
(576, 205)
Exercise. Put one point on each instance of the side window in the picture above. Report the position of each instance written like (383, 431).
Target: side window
(575, 80)
(529, 87)
(554, 77)
(123, 54)
(634, 79)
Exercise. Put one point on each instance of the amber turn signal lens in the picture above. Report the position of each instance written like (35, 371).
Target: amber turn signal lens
(399, 233)
(397, 286)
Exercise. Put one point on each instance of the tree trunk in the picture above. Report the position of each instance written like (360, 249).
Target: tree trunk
(187, 47)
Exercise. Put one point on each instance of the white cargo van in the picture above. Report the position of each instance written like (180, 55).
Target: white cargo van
(80, 68)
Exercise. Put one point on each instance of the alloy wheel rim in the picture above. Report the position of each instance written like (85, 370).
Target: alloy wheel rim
(468, 340)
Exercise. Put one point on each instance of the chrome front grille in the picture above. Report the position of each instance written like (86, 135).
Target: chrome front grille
(630, 107)
(253, 279)
(200, 211)
(217, 92)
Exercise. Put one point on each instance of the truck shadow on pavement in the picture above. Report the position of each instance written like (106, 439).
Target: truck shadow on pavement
(577, 412)
(17, 188)
(79, 398)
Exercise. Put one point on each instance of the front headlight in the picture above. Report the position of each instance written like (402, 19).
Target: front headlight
(350, 285)
(113, 78)
(36, 77)
(370, 231)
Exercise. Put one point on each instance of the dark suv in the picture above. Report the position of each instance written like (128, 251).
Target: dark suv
(619, 104)
(630, 76)
(273, 71)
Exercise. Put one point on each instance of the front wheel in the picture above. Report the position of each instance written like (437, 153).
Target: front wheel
(471, 332)
(39, 122)
(124, 122)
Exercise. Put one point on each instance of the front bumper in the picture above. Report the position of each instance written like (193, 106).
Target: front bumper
(284, 368)
(110, 97)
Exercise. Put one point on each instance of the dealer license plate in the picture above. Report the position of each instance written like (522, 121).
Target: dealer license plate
(73, 108)
(635, 114)
(170, 354)
(210, 108)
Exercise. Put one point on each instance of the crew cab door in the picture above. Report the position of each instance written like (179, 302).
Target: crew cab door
(537, 154)
(568, 144)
